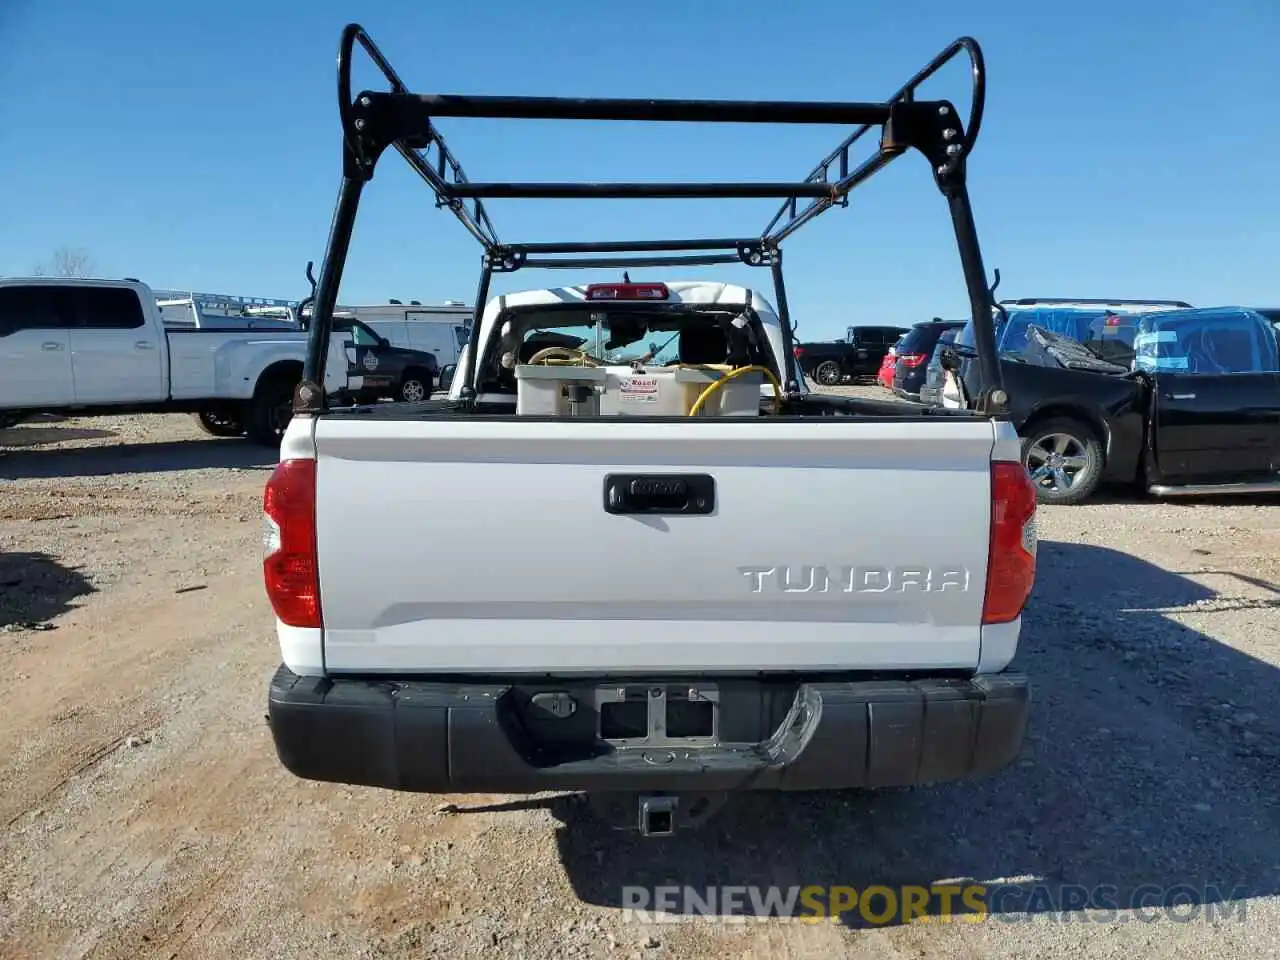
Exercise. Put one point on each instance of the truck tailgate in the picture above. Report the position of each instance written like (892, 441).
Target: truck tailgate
(473, 545)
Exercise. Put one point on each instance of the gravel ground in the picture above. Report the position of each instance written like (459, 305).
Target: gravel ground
(147, 816)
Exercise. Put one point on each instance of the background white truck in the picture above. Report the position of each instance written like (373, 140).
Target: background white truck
(84, 347)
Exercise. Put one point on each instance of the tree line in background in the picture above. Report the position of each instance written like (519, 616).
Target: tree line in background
(66, 262)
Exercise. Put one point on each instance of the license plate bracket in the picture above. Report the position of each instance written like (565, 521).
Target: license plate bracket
(659, 714)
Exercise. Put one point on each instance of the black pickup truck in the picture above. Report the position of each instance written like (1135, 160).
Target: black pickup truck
(859, 354)
(389, 370)
(1195, 410)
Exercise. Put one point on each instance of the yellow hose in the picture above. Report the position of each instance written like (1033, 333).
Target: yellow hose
(733, 375)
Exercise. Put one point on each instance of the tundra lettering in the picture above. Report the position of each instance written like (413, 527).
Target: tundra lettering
(857, 579)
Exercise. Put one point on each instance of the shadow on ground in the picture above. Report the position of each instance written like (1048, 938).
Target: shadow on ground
(33, 436)
(35, 588)
(129, 458)
(1120, 494)
(1148, 778)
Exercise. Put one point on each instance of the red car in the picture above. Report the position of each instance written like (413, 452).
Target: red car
(887, 366)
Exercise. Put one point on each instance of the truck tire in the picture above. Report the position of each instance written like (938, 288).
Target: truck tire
(221, 423)
(415, 386)
(270, 411)
(828, 373)
(1065, 459)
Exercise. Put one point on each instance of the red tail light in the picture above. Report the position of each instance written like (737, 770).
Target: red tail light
(910, 360)
(290, 567)
(797, 352)
(627, 291)
(1011, 556)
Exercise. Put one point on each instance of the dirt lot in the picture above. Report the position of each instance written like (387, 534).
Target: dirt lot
(147, 816)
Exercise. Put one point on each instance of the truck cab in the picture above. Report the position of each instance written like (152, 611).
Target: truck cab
(1109, 323)
(79, 342)
(1213, 406)
(506, 338)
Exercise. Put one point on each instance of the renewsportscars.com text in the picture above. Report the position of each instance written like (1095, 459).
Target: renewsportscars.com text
(940, 903)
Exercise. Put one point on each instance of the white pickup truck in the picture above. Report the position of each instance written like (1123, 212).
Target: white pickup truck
(88, 347)
(669, 572)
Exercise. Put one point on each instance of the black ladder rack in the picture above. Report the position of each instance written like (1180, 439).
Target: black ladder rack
(372, 121)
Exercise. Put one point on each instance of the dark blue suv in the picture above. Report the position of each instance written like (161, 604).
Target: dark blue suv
(914, 353)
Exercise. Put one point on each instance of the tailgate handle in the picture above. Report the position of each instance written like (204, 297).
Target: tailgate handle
(659, 493)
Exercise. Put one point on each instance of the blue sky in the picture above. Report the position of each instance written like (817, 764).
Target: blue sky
(1128, 148)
